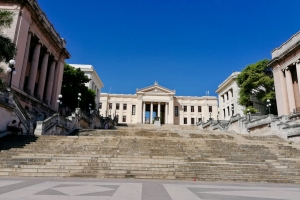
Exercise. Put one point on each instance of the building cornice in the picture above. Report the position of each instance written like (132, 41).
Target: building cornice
(91, 69)
(42, 22)
(141, 91)
(227, 81)
(275, 61)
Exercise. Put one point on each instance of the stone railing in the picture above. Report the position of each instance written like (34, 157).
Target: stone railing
(22, 115)
(57, 125)
(206, 124)
(259, 122)
(235, 118)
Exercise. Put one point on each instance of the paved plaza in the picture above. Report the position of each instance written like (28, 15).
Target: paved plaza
(132, 189)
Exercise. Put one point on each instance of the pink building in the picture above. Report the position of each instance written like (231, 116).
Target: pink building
(41, 54)
(286, 70)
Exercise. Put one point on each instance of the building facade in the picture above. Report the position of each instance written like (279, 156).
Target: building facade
(95, 82)
(228, 95)
(157, 101)
(40, 57)
(286, 70)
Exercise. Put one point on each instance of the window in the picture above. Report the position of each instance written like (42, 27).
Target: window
(224, 112)
(176, 111)
(192, 108)
(209, 108)
(228, 110)
(185, 120)
(100, 105)
(199, 109)
(184, 108)
(110, 106)
(199, 119)
(133, 110)
(192, 120)
(117, 106)
(124, 118)
(124, 106)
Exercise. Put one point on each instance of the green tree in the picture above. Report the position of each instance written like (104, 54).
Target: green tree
(257, 80)
(7, 48)
(73, 83)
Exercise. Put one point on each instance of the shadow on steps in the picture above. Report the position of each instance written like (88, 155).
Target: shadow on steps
(16, 141)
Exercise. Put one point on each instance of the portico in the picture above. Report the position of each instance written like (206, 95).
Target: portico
(286, 70)
(158, 101)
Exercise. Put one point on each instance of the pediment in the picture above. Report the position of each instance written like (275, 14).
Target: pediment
(155, 89)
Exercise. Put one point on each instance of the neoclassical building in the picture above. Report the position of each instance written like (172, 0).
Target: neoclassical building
(159, 101)
(40, 57)
(286, 70)
(95, 82)
(228, 95)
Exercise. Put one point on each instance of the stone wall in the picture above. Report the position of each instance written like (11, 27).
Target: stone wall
(286, 127)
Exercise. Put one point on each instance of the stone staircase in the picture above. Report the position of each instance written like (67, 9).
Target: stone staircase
(167, 152)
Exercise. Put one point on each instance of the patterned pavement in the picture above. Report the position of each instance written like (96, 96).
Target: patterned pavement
(131, 189)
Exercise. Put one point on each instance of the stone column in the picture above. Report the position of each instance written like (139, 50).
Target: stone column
(25, 62)
(139, 110)
(166, 113)
(50, 82)
(158, 109)
(298, 72)
(144, 113)
(42, 79)
(290, 91)
(151, 113)
(57, 83)
(171, 112)
(34, 67)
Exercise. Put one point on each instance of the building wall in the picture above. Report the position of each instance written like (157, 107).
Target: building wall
(286, 70)
(39, 58)
(95, 82)
(228, 95)
(167, 104)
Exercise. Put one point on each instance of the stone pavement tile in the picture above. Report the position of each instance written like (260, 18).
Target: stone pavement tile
(152, 191)
(137, 189)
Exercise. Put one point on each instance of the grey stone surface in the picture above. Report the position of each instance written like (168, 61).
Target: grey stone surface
(130, 189)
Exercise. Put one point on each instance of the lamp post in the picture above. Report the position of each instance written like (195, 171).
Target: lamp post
(268, 105)
(12, 70)
(79, 95)
(59, 102)
(249, 114)
(90, 111)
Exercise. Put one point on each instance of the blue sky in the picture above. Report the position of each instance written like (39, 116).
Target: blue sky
(187, 45)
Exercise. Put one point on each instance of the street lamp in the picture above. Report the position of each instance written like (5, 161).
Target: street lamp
(90, 111)
(59, 102)
(79, 95)
(249, 114)
(12, 70)
(268, 104)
